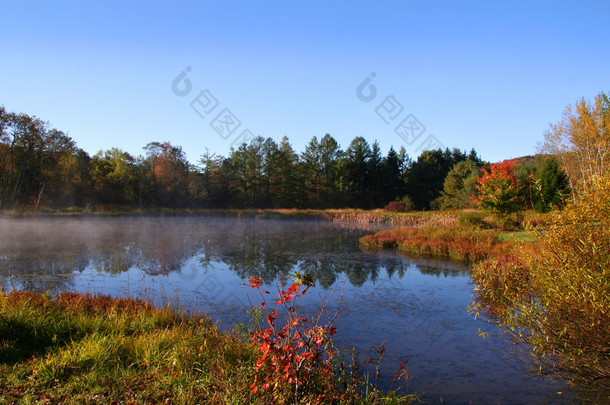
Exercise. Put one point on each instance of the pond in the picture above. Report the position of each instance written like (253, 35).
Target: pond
(418, 306)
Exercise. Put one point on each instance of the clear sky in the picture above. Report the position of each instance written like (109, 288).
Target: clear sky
(485, 74)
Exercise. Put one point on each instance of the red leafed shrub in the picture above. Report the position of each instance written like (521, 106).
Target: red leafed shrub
(296, 355)
(395, 206)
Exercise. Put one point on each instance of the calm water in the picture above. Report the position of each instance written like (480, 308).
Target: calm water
(418, 306)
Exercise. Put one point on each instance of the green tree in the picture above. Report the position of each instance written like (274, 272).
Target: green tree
(330, 155)
(312, 171)
(553, 184)
(323, 173)
(426, 176)
(544, 183)
(115, 177)
(459, 187)
(393, 171)
(357, 158)
(248, 164)
(211, 169)
(288, 183)
(376, 180)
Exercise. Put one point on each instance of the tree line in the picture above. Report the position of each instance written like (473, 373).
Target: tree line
(43, 167)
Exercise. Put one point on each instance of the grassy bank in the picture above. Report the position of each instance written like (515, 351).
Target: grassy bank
(466, 237)
(334, 215)
(76, 348)
(79, 348)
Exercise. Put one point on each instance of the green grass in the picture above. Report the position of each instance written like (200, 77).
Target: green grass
(78, 348)
(517, 236)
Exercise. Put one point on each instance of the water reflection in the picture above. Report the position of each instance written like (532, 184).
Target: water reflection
(46, 254)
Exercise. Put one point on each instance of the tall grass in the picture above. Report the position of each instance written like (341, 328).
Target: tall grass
(81, 348)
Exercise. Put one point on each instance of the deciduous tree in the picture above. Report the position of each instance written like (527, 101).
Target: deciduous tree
(499, 190)
(581, 139)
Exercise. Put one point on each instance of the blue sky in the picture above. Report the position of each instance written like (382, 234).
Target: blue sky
(488, 75)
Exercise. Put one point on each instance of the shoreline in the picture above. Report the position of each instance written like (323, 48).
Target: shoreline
(376, 216)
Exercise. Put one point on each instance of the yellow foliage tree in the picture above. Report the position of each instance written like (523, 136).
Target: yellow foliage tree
(582, 140)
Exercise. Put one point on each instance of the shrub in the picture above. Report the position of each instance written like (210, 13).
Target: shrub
(567, 319)
(297, 358)
(395, 206)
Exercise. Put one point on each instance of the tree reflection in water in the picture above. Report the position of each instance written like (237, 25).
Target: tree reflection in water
(45, 254)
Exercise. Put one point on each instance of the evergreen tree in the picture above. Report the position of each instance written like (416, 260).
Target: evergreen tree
(426, 176)
(357, 157)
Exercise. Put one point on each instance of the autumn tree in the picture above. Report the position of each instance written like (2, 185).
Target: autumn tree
(72, 182)
(171, 171)
(554, 296)
(36, 162)
(581, 139)
(499, 191)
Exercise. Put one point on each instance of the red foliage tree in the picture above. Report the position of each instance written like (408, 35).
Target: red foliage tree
(499, 190)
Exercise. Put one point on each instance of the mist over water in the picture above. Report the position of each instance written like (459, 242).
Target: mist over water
(418, 306)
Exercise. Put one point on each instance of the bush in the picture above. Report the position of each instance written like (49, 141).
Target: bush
(567, 319)
(474, 219)
(395, 206)
(403, 205)
(461, 243)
